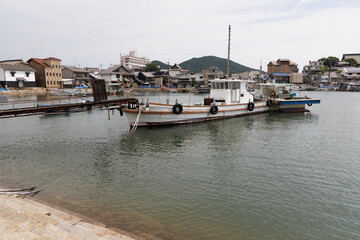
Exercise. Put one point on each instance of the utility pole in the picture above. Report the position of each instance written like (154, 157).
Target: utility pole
(228, 66)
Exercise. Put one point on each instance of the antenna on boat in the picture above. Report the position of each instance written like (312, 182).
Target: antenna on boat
(228, 64)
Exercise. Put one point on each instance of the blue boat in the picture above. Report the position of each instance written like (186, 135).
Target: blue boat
(286, 98)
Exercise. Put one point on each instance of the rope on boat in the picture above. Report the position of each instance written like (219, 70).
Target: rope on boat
(132, 131)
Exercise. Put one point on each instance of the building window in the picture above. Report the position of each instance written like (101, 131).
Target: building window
(47, 74)
(47, 82)
(51, 82)
(27, 74)
(13, 74)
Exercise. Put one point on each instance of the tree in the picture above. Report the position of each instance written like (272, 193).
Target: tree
(329, 62)
(352, 62)
(324, 69)
(151, 67)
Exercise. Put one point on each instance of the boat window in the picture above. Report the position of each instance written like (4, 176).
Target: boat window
(236, 85)
(221, 85)
(216, 85)
(226, 85)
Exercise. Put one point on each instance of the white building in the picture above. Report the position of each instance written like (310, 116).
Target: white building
(314, 66)
(132, 61)
(351, 73)
(17, 76)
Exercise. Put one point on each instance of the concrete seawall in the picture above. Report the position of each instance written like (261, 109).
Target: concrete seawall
(29, 219)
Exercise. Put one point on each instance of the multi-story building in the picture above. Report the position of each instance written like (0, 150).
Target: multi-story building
(282, 65)
(48, 72)
(132, 61)
(16, 75)
(313, 67)
(282, 69)
(78, 76)
(351, 74)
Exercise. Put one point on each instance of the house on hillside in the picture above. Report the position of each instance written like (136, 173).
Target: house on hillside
(16, 75)
(48, 72)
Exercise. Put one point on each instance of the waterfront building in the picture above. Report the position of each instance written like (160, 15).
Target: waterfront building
(296, 78)
(351, 74)
(146, 79)
(333, 77)
(282, 65)
(75, 77)
(48, 72)
(117, 76)
(212, 73)
(133, 62)
(282, 69)
(16, 74)
(255, 76)
(312, 72)
(313, 67)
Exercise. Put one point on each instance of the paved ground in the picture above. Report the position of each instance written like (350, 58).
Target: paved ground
(29, 219)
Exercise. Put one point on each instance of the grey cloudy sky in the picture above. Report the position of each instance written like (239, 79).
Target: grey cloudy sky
(95, 32)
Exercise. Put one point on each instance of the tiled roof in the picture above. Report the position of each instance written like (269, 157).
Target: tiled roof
(75, 69)
(19, 67)
(52, 58)
(148, 74)
(39, 61)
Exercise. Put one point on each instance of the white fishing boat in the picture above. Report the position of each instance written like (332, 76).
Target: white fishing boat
(228, 98)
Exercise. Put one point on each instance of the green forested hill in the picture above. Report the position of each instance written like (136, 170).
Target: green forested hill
(196, 65)
(161, 64)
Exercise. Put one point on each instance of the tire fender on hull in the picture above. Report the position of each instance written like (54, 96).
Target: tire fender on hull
(251, 106)
(214, 109)
(177, 109)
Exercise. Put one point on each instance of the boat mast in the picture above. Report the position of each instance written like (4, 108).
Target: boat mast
(228, 63)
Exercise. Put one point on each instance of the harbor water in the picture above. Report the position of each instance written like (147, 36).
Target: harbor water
(266, 176)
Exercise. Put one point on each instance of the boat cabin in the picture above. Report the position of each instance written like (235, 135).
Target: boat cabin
(230, 91)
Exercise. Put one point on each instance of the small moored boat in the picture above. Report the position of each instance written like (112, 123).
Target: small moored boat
(286, 98)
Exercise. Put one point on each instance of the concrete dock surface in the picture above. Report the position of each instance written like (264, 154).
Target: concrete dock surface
(29, 219)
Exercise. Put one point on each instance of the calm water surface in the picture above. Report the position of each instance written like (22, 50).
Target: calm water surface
(268, 176)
